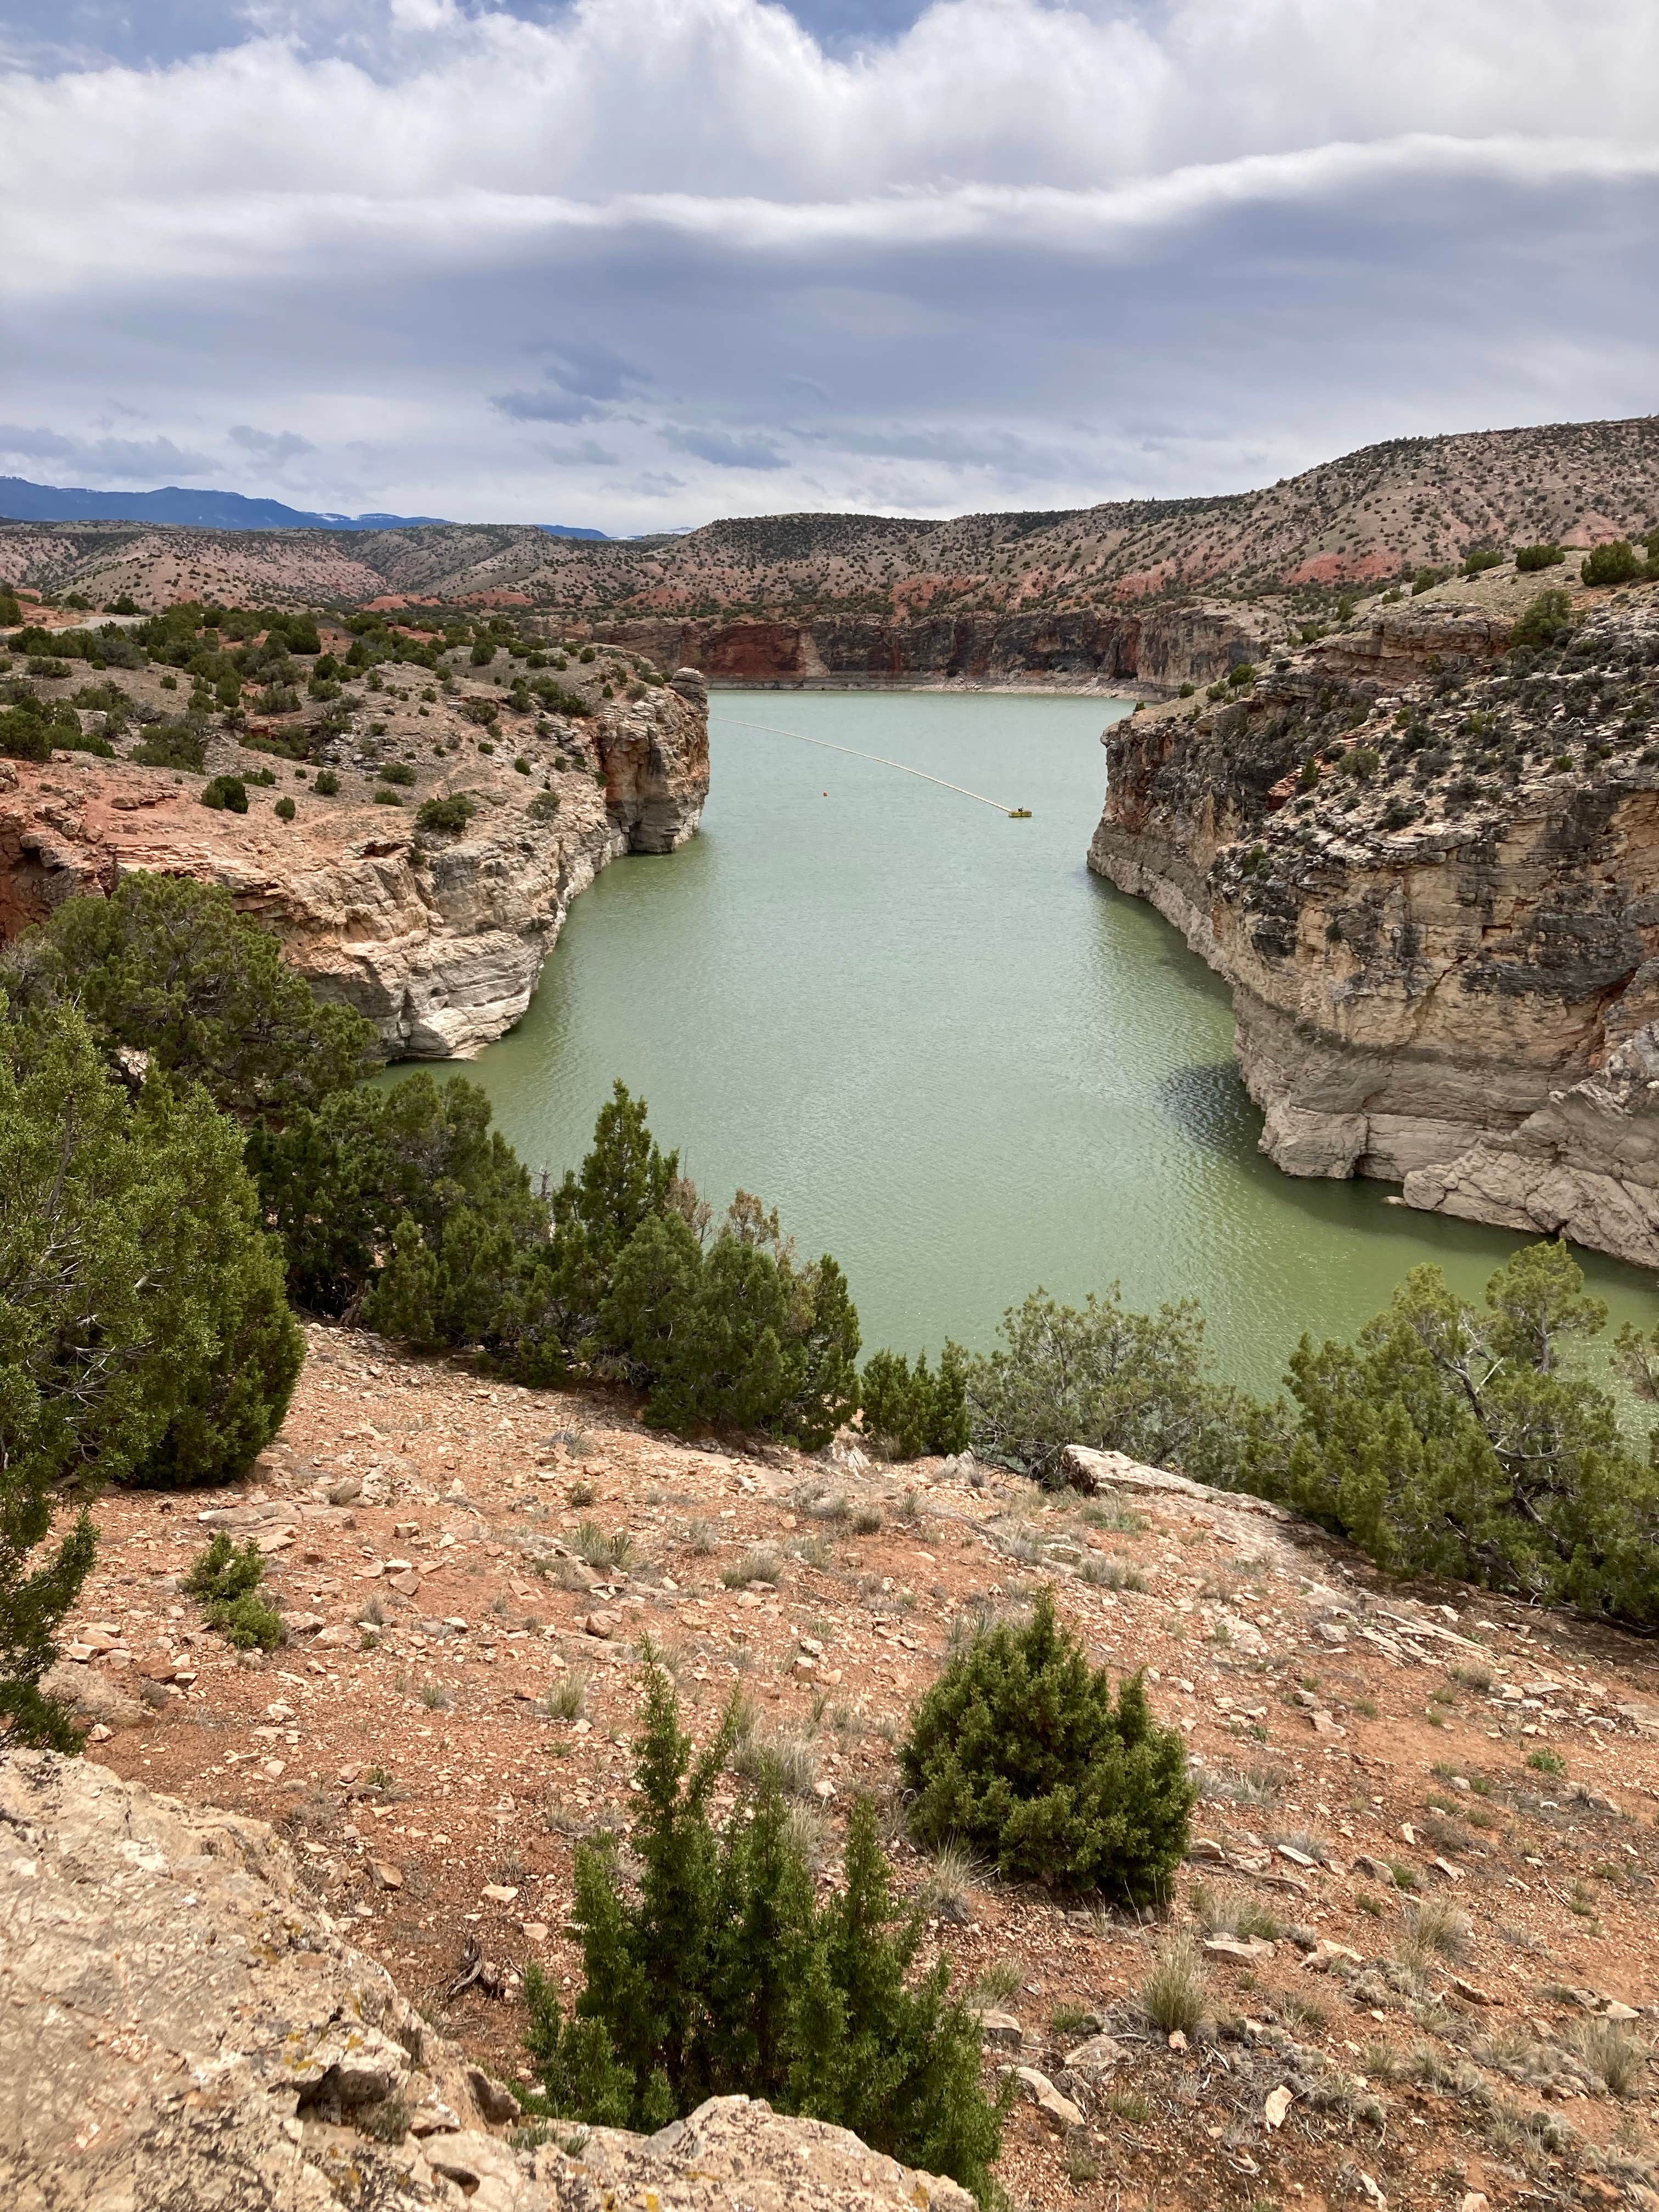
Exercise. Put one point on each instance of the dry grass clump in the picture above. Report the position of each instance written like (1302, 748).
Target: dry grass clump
(788, 1759)
(943, 1895)
(1111, 1573)
(1174, 1992)
(569, 1695)
(1230, 1910)
(759, 1564)
(1610, 2051)
(1439, 1927)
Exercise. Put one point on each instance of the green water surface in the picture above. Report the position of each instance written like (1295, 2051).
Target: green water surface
(945, 1051)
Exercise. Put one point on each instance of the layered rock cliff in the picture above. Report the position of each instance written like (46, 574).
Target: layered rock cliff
(184, 2028)
(1427, 858)
(437, 936)
(1154, 648)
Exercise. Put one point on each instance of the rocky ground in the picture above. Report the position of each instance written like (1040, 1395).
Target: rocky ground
(1424, 1866)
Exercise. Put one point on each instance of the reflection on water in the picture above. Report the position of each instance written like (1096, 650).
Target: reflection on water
(945, 1051)
(1210, 1105)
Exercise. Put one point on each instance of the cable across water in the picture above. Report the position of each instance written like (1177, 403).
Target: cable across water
(1014, 813)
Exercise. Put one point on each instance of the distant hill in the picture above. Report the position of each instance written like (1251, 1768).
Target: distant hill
(1371, 515)
(24, 501)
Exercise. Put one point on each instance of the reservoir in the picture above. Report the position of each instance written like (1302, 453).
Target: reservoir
(945, 1051)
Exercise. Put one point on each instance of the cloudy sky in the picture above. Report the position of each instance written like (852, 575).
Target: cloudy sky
(637, 262)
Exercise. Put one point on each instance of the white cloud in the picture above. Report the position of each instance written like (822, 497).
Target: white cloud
(1220, 235)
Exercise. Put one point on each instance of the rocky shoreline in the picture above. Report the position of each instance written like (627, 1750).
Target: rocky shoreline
(1150, 652)
(438, 938)
(1428, 865)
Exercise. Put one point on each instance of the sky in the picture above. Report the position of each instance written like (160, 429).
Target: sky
(636, 264)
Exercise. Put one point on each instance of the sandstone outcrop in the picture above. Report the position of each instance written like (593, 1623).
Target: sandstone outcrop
(1154, 648)
(1443, 935)
(438, 938)
(181, 2027)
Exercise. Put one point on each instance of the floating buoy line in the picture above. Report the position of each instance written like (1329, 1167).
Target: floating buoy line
(1013, 813)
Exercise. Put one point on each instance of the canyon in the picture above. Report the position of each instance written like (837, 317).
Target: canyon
(437, 936)
(1425, 854)
(1146, 592)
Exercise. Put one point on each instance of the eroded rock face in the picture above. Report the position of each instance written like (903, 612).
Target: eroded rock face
(1445, 968)
(1156, 648)
(179, 2027)
(438, 939)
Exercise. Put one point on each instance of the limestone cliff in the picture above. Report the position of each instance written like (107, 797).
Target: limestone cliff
(438, 937)
(182, 2027)
(1429, 868)
(1154, 648)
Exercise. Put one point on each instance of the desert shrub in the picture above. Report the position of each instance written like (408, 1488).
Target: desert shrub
(227, 793)
(449, 815)
(1616, 563)
(134, 1285)
(1116, 1381)
(1482, 558)
(1361, 763)
(180, 745)
(1454, 1441)
(169, 967)
(326, 784)
(742, 1336)
(1529, 559)
(285, 809)
(227, 1580)
(30, 729)
(397, 772)
(909, 1411)
(483, 712)
(721, 1974)
(1546, 622)
(1426, 578)
(1019, 1753)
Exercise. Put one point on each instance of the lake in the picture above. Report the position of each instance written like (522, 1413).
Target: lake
(945, 1051)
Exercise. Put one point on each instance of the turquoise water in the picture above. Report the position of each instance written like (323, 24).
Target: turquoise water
(943, 1050)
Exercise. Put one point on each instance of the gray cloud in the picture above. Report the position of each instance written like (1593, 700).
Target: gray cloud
(1021, 252)
(546, 407)
(145, 458)
(589, 454)
(723, 449)
(275, 447)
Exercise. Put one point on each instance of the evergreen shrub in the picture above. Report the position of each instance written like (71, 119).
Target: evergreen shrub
(719, 1974)
(908, 1411)
(1617, 563)
(227, 1580)
(1019, 1753)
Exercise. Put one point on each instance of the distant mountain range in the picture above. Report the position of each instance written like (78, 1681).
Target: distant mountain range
(24, 501)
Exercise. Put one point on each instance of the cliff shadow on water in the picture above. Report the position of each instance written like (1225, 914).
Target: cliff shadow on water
(947, 1052)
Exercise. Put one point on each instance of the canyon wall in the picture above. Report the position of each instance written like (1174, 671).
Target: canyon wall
(1156, 650)
(1443, 935)
(438, 938)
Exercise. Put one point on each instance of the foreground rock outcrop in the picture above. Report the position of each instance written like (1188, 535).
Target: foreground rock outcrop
(438, 937)
(180, 2027)
(1429, 868)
